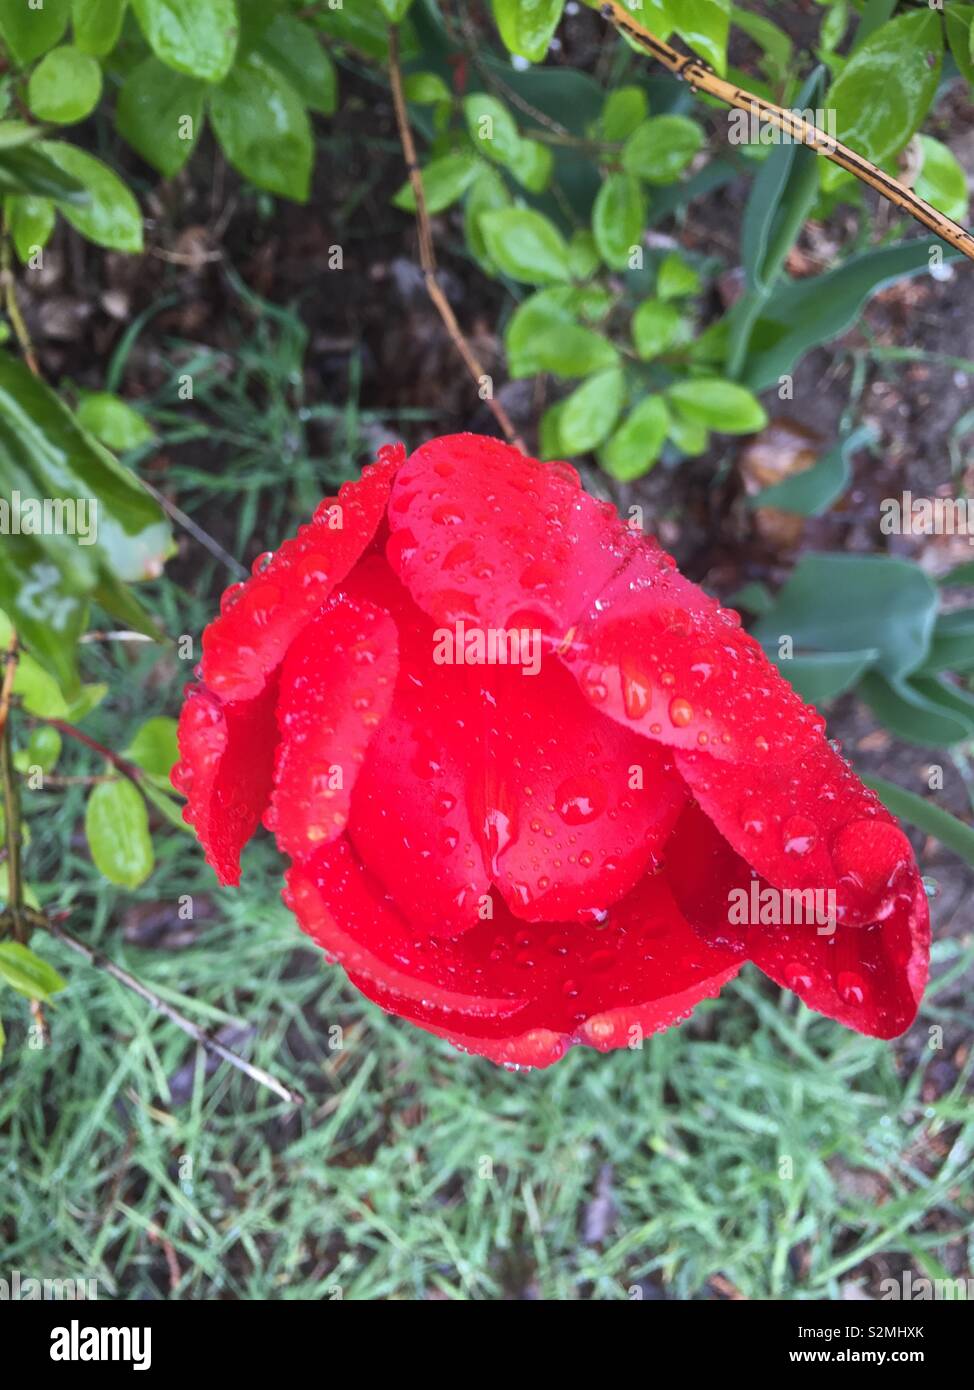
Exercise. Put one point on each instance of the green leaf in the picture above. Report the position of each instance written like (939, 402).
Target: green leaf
(625, 109)
(97, 24)
(584, 254)
(31, 32)
(719, 405)
(160, 114)
(43, 750)
(661, 148)
(526, 26)
(619, 219)
(167, 806)
(294, 50)
(913, 713)
(31, 222)
(364, 27)
(25, 972)
(526, 246)
(112, 422)
(395, 10)
(154, 747)
(117, 827)
(942, 180)
(197, 37)
(638, 442)
(111, 217)
(533, 166)
(426, 88)
(851, 603)
(544, 335)
(704, 25)
(445, 180)
(675, 279)
(821, 676)
(690, 438)
(804, 314)
(960, 36)
(885, 89)
(811, 493)
(492, 128)
(29, 170)
(924, 814)
(952, 648)
(488, 192)
(263, 128)
(590, 413)
(656, 326)
(65, 86)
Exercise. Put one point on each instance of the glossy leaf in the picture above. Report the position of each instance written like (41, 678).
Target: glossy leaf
(526, 26)
(117, 828)
(526, 246)
(196, 37)
(23, 970)
(590, 413)
(28, 31)
(619, 219)
(718, 405)
(263, 128)
(445, 180)
(638, 442)
(160, 114)
(295, 51)
(111, 217)
(65, 86)
(661, 148)
(97, 24)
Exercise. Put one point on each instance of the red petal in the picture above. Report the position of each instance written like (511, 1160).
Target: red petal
(336, 687)
(263, 616)
(563, 828)
(226, 771)
(481, 532)
(869, 977)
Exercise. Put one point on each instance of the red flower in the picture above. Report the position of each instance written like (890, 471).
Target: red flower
(536, 787)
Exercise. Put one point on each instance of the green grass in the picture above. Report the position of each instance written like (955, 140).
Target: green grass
(758, 1144)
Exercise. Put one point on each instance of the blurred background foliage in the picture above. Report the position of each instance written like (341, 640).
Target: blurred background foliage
(212, 316)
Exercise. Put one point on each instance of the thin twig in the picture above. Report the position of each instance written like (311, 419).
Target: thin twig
(11, 795)
(790, 123)
(127, 769)
(197, 532)
(427, 253)
(193, 1030)
(11, 305)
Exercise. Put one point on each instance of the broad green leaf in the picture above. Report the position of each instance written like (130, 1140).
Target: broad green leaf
(30, 31)
(160, 114)
(544, 335)
(915, 714)
(656, 327)
(638, 442)
(197, 37)
(775, 44)
(952, 648)
(960, 36)
(704, 25)
(113, 422)
(65, 86)
(811, 493)
(926, 815)
(625, 109)
(942, 180)
(590, 413)
(97, 24)
(111, 217)
(25, 972)
(675, 279)
(619, 219)
(821, 676)
(803, 314)
(28, 169)
(661, 148)
(154, 747)
(851, 603)
(295, 50)
(117, 827)
(31, 222)
(488, 192)
(526, 246)
(445, 180)
(263, 128)
(526, 26)
(885, 89)
(719, 405)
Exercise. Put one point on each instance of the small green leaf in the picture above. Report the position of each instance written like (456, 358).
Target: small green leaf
(197, 37)
(30, 30)
(638, 442)
(445, 180)
(294, 50)
(526, 26)
(65, 86)
(28, 169)
(113, 422)
(656, 327)
(97, 24)
(661, 148)
(625, 109)
(426, 89)
(25, 972)
(590, 412)
(154, 747)
(492, 128)
(960, 36)
(263, 128)
(704, 25)
(942, 180)
(584, 254)
(395, 10)
(43, 750)
(544, 335)
(690, 438)
(160, 114)
(31, 222)
(619, 219)
(526, 246)
(719, 405)
(488, 192)
(675, 279)
(111, 217)
(117, 827)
